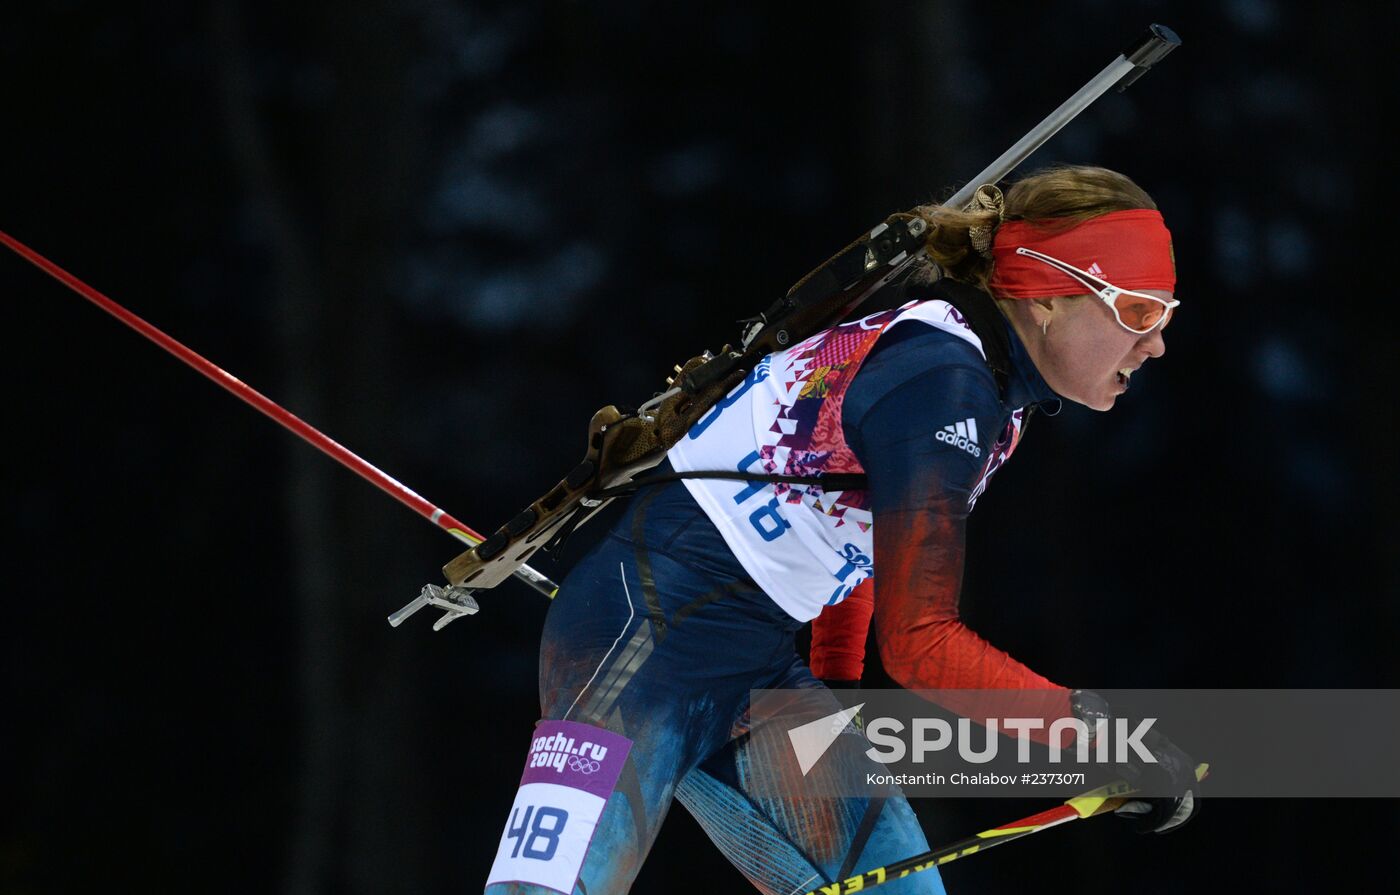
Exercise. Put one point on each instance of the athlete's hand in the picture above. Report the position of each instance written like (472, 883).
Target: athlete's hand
(1172, 771)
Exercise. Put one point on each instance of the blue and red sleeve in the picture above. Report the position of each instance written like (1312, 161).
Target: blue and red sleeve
(917, 382)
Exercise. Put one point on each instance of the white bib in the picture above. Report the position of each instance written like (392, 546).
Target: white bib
(806, 547)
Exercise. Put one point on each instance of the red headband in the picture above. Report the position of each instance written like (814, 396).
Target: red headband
(1130, 249)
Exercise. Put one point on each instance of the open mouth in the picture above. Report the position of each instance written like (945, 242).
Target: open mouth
(1123, 376)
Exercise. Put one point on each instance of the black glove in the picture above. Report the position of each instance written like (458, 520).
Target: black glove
(1173, 771)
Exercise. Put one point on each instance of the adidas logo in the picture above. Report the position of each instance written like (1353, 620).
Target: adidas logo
(1095, 270)
(961, 435)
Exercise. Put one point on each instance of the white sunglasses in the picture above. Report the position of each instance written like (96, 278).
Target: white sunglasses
(1146, 311)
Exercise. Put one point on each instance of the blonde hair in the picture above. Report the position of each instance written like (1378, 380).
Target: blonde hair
(1071, 193)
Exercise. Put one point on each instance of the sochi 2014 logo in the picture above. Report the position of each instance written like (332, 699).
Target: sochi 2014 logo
(559, 751)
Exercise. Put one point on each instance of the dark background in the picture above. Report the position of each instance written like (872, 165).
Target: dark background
(445, 232)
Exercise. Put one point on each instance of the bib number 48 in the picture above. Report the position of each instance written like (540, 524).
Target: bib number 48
(555, 813)
(538, 840)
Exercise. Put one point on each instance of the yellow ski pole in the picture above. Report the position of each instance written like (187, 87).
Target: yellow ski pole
(1103, 800)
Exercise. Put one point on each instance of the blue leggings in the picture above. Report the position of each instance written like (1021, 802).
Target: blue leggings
(659, 635)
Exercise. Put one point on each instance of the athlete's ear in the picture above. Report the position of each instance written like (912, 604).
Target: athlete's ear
(1042, 311)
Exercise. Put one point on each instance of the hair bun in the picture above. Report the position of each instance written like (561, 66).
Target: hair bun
(986, 198)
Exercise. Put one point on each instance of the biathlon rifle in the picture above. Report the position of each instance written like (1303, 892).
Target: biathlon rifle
(622, 444)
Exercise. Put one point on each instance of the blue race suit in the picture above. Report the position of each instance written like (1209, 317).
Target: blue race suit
(659, 634)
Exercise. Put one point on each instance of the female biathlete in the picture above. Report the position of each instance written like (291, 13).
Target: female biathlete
(695, 596)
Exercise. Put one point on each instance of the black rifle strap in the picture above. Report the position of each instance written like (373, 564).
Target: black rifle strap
(840, 481)
(982, 315)
(837, 481)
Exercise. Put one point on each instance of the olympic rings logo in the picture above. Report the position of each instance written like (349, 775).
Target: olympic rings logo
(583, 765)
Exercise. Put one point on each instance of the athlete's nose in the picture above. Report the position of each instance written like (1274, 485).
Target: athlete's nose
(1154, 343)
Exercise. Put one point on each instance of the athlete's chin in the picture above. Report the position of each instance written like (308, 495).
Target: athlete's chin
(1096, 402)
(1097, 395)
(1108, 396)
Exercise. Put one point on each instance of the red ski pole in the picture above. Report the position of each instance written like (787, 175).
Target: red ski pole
(271, 409)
